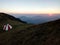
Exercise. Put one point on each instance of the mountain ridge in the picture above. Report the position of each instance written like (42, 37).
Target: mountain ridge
(4, 15)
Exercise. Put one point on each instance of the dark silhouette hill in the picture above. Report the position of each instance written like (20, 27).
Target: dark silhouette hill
(42, 34)
(5, 17)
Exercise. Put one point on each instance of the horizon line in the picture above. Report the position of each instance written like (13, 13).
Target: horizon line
(29, 13)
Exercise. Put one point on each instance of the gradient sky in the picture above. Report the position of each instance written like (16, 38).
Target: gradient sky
(30, 6)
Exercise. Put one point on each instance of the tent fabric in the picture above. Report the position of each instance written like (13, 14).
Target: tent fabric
(7, 27)
(4, 27)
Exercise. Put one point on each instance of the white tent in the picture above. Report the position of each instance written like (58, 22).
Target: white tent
(7, 27)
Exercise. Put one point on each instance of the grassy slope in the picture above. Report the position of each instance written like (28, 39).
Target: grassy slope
(43, 34)
(16, 24)
(23, 34)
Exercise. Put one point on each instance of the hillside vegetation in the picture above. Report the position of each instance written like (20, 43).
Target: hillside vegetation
(15, 22)
(26, 34)
(42, 34)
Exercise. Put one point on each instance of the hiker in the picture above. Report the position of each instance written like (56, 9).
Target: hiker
(7, 27)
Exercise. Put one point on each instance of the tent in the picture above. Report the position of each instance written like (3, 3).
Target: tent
(7, 27)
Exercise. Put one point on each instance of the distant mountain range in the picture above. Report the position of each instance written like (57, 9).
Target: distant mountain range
(39, 18)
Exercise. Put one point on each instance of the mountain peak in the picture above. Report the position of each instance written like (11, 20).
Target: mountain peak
(4, 16)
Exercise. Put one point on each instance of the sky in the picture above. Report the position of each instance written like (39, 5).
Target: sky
(30, 6)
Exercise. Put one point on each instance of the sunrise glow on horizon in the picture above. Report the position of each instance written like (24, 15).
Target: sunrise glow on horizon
(30, 6)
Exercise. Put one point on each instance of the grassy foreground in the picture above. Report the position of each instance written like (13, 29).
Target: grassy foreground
(26, 34)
